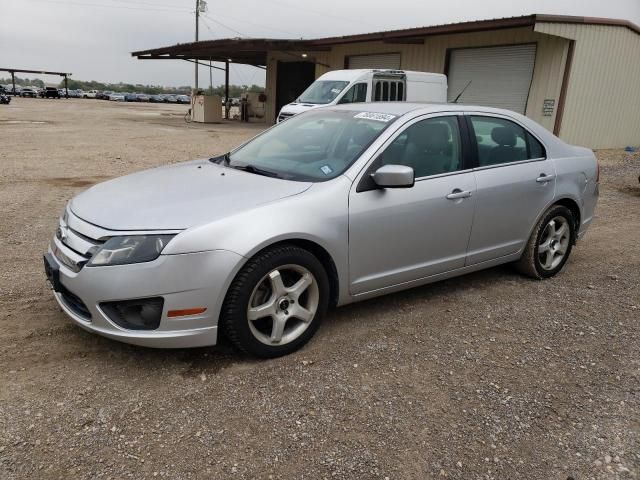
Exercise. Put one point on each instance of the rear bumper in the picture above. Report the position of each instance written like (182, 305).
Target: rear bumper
(183, 281)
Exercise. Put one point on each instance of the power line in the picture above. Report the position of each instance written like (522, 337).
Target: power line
(206, 24)
(223, 25)
(173, 5)
(126, 7)
(328, 15)
(258, 25)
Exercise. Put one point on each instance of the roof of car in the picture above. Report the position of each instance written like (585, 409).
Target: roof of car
(402, 108)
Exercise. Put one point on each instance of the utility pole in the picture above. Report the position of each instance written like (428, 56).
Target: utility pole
(197, 27)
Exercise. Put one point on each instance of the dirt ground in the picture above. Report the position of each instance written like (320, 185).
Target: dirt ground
(488, 376)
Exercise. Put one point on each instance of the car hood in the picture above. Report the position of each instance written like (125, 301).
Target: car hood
(178, 196)
(295, 108)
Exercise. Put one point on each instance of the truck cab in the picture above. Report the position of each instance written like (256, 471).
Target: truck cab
(368, 85)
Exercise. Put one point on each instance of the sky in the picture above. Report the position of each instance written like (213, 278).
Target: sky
(93, 39)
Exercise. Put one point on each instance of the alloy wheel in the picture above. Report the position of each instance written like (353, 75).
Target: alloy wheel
(554, 242)
(283, 304)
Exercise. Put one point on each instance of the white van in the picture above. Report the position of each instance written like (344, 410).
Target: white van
(351, 86)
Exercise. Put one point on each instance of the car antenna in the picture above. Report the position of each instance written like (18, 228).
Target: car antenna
(463, 90)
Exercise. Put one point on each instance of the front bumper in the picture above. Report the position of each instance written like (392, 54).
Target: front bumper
(183, 281)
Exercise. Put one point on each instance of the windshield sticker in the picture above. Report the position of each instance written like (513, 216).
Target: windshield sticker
(379, 117)
(335, 90)
(326, 169)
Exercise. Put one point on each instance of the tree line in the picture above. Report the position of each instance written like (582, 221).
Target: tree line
(73, 84)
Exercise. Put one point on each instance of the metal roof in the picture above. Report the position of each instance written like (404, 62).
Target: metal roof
(254, 51)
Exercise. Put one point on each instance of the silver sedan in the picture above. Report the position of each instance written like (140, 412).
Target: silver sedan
(330, 207)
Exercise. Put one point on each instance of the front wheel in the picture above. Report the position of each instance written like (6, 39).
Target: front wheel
(550, 244)
(276, 302)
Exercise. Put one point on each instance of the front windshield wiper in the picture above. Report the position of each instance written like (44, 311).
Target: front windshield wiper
(221, 159)
(256, 170)
(225, 160)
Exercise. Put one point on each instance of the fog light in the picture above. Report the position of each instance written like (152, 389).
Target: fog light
(141, 314)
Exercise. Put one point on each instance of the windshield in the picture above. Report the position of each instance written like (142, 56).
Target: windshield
(315, 146)
(322, 92)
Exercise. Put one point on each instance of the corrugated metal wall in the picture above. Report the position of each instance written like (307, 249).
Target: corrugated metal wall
(602, 108)
(431, 57)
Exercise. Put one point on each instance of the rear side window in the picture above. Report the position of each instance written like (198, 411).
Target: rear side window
(502, 141)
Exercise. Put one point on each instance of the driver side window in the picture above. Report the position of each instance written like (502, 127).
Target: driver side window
(356, 94)
(430, 147)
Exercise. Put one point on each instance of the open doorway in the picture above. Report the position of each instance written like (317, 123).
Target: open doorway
(292, 79)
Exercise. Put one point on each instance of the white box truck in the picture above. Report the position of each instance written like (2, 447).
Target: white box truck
(351, 86)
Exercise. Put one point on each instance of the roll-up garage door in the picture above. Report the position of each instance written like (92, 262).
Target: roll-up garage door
(500, 76)
(383, 60)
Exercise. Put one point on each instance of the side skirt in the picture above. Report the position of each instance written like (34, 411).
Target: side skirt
(434, 278)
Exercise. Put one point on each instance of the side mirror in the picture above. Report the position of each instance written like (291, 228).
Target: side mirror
(394, 176)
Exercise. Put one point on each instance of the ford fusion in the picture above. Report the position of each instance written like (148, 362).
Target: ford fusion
(333, 206)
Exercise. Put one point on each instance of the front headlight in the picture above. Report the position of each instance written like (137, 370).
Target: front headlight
(129, 249)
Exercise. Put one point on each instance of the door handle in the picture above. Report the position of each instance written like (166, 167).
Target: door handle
(457, 193)
(543, 178)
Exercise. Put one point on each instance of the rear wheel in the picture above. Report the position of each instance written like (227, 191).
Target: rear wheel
(550, 244)
(276, 303)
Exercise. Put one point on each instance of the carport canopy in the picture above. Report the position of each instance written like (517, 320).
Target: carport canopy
(248, 51)
(13, 72)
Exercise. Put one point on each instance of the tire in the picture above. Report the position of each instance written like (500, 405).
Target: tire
(550, 245)
(256, 292)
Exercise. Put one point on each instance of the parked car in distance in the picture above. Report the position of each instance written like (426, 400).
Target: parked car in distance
(142, 97)
(170, 99)
(117, 97)
(376, 197)
(4, 98)
(49, 92)
(130, 97)
(29, 92)
(90, 94)
(156, 99)
(183, 99)
(74, 94)
(368, 85)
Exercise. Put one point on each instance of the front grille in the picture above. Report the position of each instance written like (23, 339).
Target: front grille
(72, 301)
(76, 236)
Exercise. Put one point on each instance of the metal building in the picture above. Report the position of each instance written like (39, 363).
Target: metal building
(579, 77)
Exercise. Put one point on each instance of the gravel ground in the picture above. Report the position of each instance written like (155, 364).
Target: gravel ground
(485, 376)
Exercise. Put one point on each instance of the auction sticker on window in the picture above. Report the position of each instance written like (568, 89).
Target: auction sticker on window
(326, 169)
(380, 117)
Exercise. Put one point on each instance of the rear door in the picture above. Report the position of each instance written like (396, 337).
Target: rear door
(515, 181)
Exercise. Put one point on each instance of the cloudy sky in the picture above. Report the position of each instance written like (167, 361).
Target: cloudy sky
(93, 38)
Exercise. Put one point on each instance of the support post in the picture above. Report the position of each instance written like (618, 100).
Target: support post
(226, 90)
(66, 87)
(197, 26)
(13, 82)
(210, 77)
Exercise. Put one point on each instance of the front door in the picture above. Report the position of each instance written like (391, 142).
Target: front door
(406, 234)
(515, 182)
